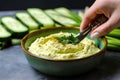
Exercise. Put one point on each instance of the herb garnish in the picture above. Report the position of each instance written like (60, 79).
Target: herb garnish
(68, 39)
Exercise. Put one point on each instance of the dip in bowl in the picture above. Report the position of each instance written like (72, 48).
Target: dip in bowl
(46, 54)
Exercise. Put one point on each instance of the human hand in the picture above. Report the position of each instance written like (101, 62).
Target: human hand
(111, 9)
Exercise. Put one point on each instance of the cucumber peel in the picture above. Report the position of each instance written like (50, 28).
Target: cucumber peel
(115, 33)
(113, 43)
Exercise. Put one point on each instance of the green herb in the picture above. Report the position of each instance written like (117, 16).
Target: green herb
(68, 39)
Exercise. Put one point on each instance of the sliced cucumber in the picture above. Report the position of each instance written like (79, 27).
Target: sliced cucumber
(81, 13)
(41, 17)
(17, 29)
(5, 44)
(66, 12)
(27, 20)
(2, 44)
(4, 34)
(57, 25)
(115, 33)
(113, 47)
(61, 19)
(15, 41)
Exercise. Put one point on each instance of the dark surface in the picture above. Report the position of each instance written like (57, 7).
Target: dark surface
(14, 66)
(44, 4)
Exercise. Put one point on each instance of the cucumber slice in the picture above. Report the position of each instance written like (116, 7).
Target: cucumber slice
(41, 17)
(15, 41)
(113, 47)
(61, 19)
(2, 44)
(115, 33)
(4, 34)
(68, 13)
(81, 13)
(17, 29)
(57, 25)
(5, 44)
(27, 20)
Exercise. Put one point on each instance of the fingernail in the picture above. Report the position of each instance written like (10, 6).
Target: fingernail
(95, 35)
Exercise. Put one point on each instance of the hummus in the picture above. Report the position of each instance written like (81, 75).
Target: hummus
(49, 47)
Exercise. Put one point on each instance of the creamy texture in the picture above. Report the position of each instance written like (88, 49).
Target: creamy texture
(49, 47)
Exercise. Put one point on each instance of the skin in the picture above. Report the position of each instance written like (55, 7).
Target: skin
(110, 8)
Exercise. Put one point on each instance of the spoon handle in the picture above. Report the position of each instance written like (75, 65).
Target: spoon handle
(97, 22)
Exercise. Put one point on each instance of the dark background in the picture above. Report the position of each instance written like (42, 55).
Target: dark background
(43, 4)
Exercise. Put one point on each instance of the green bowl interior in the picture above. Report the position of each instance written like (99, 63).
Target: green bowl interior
(32, 36)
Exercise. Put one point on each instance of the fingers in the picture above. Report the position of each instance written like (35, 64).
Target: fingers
(90, 15)
(110, 9)
(105, 28)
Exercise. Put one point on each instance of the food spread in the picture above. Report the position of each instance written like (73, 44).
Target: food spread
(49, 47)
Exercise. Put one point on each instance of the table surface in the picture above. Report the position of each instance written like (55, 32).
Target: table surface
(14, 66)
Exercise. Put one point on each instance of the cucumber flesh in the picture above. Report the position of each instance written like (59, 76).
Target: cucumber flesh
(26, 19)
(61, 19)
(17, 29)
(63, 11)
(4, 34)
(66, 12)
(15, 41)
(41, 17)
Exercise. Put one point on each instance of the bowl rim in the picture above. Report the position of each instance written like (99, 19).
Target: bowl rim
(58, 60)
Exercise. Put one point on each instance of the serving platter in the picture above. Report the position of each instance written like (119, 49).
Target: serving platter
(14, 66)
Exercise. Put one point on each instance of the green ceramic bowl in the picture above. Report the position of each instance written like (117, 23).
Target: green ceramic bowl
(61, 67)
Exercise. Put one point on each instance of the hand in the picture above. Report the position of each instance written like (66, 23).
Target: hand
(111, 9)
